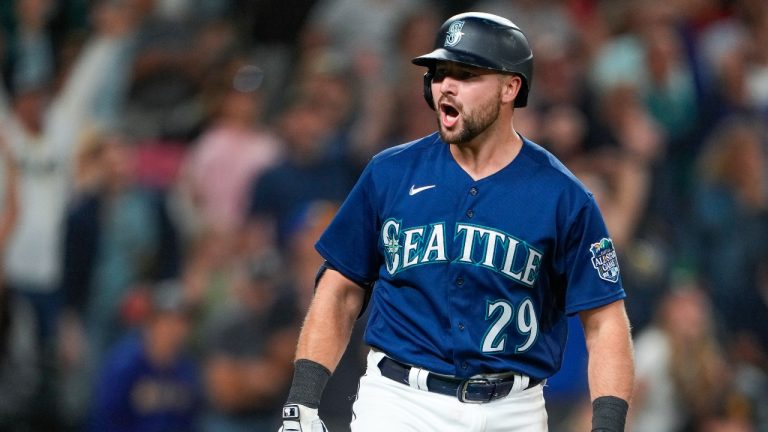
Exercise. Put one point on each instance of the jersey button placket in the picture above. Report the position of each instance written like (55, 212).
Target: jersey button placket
(473, 192)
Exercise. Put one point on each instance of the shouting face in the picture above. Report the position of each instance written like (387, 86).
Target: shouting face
(468, 100)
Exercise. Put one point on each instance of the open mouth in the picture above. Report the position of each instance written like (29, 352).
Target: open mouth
(449, 115)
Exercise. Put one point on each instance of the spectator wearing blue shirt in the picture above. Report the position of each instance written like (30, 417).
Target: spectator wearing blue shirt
(148, 383)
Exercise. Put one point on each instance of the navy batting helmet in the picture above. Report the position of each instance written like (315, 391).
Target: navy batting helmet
(482, 40)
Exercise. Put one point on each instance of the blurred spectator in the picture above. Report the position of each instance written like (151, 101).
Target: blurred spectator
(325, 80)
(270, 29)
(624, 157)
(670, 94)
(625, 169)
(621, 186)
(365, 29)
(211, 272)
(237, 146)
(304, 261)
(148, 383)
(19, 356)
(30, 59)
(366, 33)
(539, 19)
(731, 216)
(681, 369)
(561, 75)
(20, 375)
(747, 401)
(42, 127)
(566, 132)
(615, 157)
(116, 232)
(213, 190)
(173, 97)
(307, 173)
(117, 237)
(647, 54)
(413, 118)
(268, 22)
(95, 85)
(43, 131)
(248, 351)
(739, 59)
(32, 259)
(163, 98)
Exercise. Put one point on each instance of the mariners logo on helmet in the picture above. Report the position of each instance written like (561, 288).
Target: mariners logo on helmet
(604, 260)
(454, 34)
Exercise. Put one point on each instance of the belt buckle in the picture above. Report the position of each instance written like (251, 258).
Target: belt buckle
(462, 393)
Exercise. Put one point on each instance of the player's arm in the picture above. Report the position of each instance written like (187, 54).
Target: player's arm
(329, 321)
(611, 365)
(323, 340)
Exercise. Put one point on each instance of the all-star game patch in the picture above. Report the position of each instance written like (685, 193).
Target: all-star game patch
(604, 260)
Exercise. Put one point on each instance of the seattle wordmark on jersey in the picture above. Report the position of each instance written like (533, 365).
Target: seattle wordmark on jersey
(499, 251)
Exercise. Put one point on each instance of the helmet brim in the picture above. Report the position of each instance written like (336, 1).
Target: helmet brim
(442, 54)
(469, 59)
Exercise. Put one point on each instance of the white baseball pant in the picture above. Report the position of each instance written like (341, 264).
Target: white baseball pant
(384, 405)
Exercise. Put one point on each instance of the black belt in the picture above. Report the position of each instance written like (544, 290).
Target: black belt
(471, 390)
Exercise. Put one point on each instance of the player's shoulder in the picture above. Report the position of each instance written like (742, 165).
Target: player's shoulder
(406, 151)
(552, 169)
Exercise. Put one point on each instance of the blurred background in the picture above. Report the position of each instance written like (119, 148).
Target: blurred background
(166, 166)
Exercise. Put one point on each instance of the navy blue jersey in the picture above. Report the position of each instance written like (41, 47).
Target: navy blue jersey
(473, 276)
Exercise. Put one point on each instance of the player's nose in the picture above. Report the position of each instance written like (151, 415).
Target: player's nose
(448, 85)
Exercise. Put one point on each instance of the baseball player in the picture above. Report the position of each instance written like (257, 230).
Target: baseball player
(479, 243)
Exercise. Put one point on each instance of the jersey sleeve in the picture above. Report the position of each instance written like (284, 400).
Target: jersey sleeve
(350, 241)
(591, 262)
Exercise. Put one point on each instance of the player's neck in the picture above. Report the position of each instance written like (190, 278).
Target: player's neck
(487, 154)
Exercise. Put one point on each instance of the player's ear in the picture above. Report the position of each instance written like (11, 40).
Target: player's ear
(511, 86)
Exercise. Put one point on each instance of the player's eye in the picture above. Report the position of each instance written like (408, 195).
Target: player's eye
(457, 74)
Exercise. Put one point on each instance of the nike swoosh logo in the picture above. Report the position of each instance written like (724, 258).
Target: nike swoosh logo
(414, 190)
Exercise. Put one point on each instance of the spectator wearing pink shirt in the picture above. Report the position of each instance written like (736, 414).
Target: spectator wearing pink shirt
(235, 149)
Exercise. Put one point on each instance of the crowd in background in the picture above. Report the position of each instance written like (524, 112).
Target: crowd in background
(166, 166)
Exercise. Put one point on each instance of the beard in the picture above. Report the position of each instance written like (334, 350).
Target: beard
(473, 123)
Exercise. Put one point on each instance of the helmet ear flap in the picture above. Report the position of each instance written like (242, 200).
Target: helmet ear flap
(428, 89)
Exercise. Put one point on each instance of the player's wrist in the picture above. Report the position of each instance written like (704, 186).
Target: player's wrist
(609, 414)
(309, 380)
